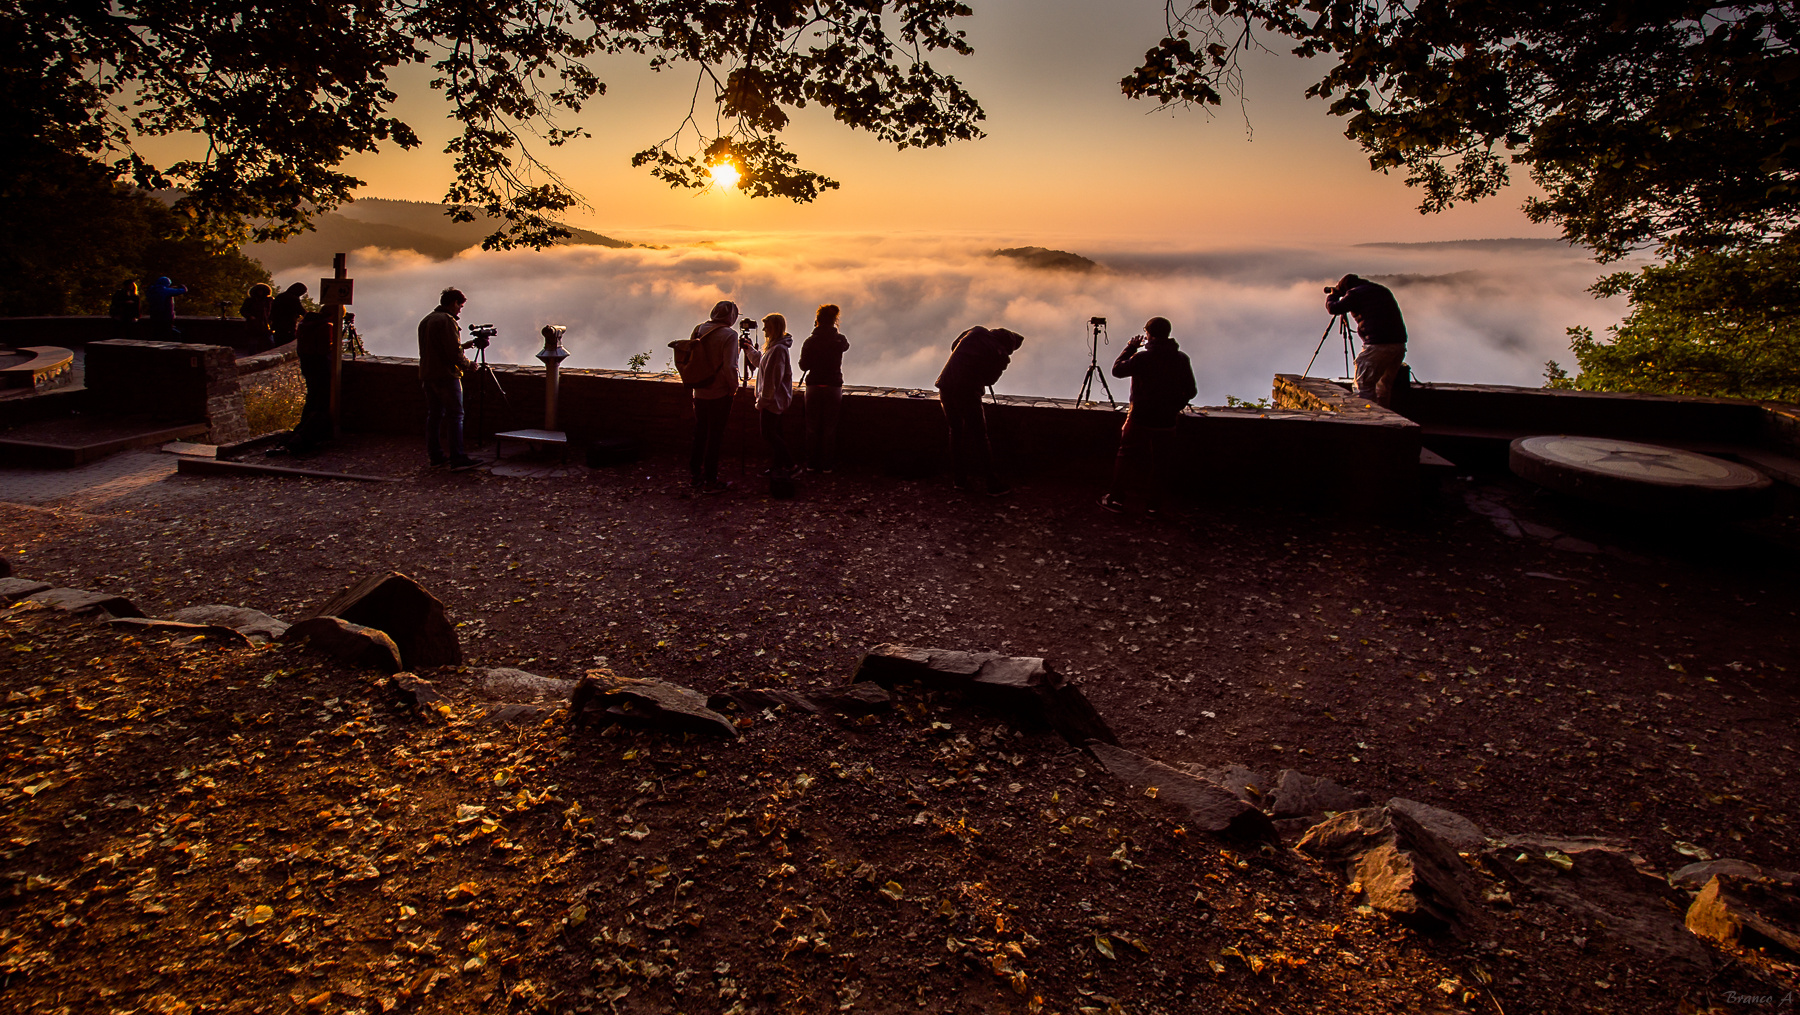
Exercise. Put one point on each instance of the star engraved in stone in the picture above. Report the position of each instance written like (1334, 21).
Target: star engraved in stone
(1647, 459)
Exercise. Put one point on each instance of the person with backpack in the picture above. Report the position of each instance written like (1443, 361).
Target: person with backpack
(822, 363)
(1162, 384)
(775, 392)
(162, 308)
(708, 363)
(977, 359)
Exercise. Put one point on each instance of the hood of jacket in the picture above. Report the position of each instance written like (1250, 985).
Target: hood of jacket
(725, 312)
(784, 342)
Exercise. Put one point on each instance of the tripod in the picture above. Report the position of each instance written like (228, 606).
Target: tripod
(1096, 335)
(1342, 323)
(483, 370)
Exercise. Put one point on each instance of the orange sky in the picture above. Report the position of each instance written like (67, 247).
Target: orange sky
(1067, 156)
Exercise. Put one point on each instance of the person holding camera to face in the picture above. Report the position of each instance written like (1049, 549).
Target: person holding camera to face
(1162, 384)
(1383, 332)
(442, 366)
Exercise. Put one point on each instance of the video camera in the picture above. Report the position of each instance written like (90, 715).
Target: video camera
(480, 335)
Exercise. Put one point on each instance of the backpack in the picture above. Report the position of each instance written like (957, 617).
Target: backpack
(693, 362)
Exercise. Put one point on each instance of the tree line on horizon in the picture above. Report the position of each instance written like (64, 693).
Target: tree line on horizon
(1663, 126)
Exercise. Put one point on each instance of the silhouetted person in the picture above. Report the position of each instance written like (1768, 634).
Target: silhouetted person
(775, 391)
(1162, 384)
(442, 366)
(162, 295)
(125, 310)
(256, 311)
(285, 314)
(312, 345)
(1383, 333)
(977, 359)
(719, 344)
(822, 364)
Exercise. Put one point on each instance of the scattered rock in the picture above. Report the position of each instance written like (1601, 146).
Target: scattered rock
(854, 700)
(514, 714)
(411, 616)
(252, 623)
(642, 702)
(1250, 786)
(1022, 685)
(1405, 871)
(348, 643)
(84, 603)
(1604, 882)
(1298, 795)
(13, 589)
(418, 693)
(1694, 876)
(1463, 835)
(224, 635)
(512, 685)
(1755, 923)
(1205, 805)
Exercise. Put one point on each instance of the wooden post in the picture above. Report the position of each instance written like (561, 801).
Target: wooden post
(334, 312)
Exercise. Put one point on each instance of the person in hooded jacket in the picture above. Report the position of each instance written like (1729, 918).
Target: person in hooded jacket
(1162, 384)
(775, 390)
(822, 364)
(255, 311)
(125, 310)
(720, 344)
(285, 314)
(977, 359)
(162, 308)
(1383, 332)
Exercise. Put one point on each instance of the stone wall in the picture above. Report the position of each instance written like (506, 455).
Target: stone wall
(1347, 461)
(70, 332)
(168, 380)
(1622, 415)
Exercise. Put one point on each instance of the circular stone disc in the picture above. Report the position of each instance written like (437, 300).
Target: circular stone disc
(1634, 475)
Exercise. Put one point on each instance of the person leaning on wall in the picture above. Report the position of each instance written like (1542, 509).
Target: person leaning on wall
(822, 367)
(1383, 333)
(256, 310)
(977, 359)
(1162, 384)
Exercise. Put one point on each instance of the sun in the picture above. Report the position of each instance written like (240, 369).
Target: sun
(724, 175)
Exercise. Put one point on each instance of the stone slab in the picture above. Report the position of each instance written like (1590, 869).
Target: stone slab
(411, 616)
(1206, 806)
(349, 643)
(85, 603)
(253, 623)
(1025, 686)
(607, 698)
(223, 635)
(13, 589)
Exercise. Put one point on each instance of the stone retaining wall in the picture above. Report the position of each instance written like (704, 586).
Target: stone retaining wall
(70, 332)
(1345, 461)
(1621, 415)
(170, 380)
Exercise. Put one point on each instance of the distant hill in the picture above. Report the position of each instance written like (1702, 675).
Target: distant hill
(391, 225)
(1045, 258)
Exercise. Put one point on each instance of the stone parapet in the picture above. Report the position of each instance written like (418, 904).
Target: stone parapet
(1358, 459)
(172, 380)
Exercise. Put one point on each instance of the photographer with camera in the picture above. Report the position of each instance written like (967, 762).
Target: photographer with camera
(1383, 333)
(719, 347)
(442, 367)
(977, 359)
(1162, 384)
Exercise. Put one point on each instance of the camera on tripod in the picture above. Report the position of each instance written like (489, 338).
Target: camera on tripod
(480, 335)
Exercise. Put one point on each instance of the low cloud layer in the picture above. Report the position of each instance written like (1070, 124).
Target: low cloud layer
(1477, 313)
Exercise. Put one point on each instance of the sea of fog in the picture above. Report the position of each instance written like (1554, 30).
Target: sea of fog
(1478, 311)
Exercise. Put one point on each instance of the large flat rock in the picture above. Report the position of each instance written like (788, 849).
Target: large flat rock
(251, 623)
(1197, 802)
(349, 643)
(607, 698)
(1024, 686)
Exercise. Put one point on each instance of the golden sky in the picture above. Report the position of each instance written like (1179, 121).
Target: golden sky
(1067, 157)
